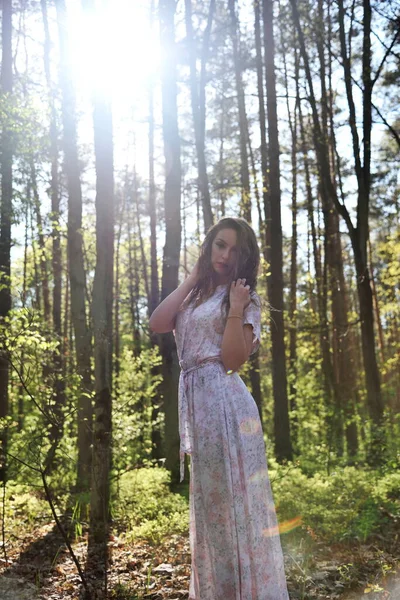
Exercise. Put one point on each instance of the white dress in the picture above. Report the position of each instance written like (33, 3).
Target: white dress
(234, 537)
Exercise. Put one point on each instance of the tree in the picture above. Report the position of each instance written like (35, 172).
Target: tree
(359, 233)
(283, 445)
(172, 203)
(5, 215)
(198, 106)
(77, 276)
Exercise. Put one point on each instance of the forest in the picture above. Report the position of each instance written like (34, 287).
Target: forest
(127, 129)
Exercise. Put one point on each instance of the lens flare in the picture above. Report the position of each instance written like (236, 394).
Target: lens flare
(283, 527)
(259, 476)
(250, 426)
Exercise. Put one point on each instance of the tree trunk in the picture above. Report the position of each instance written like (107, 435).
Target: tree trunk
(294, 241)
(102, 307)
(21, 390)
(42, 249)
(358, 234)
(120, 211)
(221, 164)
(132, 272)
(5, 219)
(266, 240)
(283, 446)
(155, 291)
(59, 382)
(347, 380)
(37, 303)
(199, 112)
(172, 203)
(143, 257)
(156, 438)
(82, 334)
(245, 209)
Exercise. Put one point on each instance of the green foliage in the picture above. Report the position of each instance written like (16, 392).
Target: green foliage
(133, 406)
(146, 508)
(23, 504)
(30, 348)
(350, 503)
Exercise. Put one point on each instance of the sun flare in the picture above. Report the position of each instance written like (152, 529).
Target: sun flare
(114, 50)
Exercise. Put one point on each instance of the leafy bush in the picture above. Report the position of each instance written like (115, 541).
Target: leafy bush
(24, 504)
(348, 504)
(146, 508)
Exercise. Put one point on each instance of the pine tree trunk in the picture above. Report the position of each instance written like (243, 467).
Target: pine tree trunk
(143, 257)
(21, 390)
(265, 236)
(156, 439)
(198, 117)
(221, 167)
(155, 291)
(58, 366)
(294, 242)
(358, 234)
(102, 307)
(44, 280)
(77, 276)
(120, 211)
(245, 209)
(283, 446)
(172, 203)
(132, 275)
(5, 219)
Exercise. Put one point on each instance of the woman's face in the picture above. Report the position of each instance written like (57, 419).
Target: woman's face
(223, 254)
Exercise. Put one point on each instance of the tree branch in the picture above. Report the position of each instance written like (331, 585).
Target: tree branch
(388, 51)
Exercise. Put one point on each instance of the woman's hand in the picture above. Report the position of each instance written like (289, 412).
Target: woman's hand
(239, 296)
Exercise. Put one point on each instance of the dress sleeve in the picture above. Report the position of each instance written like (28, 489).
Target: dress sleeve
(252, 316)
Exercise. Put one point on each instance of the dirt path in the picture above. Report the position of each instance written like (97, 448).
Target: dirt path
(13, 588)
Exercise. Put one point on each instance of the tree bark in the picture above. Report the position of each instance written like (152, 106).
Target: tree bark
(266, 240)
(283, 446)
(132, 272)
(155, 291)
(358, 234)
(172, 203)
(120, 211)
(59, 382)
(5, 218)
(245, 208)
(44, 280)
(156, 438)
(198, 110)
(102, 307)
(82, 333)
(294, 241)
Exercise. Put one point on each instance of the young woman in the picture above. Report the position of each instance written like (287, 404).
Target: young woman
(215, 314)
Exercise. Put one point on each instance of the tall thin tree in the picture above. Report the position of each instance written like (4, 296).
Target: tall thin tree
(172, 203)
(283, 446)
(77, 275)
(6, 83)
(198, 110)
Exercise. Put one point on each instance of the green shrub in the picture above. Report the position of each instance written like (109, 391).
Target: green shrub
(146, 508)
(348, 504)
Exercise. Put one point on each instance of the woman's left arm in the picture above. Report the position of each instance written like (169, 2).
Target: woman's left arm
(237, 341)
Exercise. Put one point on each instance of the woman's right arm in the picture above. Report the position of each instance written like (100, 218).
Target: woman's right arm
(163, 318)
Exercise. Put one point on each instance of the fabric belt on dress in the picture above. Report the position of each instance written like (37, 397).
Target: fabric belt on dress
(185, 432)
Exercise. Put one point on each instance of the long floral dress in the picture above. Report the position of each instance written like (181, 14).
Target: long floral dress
(234, 537)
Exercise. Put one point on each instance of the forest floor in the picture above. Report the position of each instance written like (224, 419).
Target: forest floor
(39, 567)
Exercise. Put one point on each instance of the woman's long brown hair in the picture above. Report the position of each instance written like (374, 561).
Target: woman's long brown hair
(247, 262)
